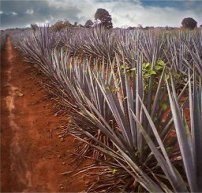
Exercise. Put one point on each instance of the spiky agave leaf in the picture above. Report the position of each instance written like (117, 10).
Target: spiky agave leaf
(86, 84)
(190, 143)
(120, 110)
(187, 141)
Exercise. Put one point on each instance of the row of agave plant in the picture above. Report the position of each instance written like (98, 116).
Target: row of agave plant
(2, 39)
(98, 43)
(136, 98)
(181, 49)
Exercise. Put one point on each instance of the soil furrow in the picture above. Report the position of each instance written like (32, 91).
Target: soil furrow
(32, 155)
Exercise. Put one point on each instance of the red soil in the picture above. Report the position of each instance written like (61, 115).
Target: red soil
(32, 155)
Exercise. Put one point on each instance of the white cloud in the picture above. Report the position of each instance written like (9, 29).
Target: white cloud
(46, 22)
(29, 11)
(14, 13)
(129, 13)
(149, 16)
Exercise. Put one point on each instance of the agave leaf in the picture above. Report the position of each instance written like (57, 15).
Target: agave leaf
(195, 101)
(141, 177)
(182, 137)
(167, 167)
(114, 105)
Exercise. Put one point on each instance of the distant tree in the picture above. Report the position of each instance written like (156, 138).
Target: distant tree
(104, 17)
(139, 26)
(34, 27)
(149, 27)
(59, 25)
(79, 25)
(189, 23)
(131, 28)
(167, 27)
(97, 22)
(88, 24)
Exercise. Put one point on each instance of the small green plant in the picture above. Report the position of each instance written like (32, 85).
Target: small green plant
(114, 171)
(163, 105)
(149, 70)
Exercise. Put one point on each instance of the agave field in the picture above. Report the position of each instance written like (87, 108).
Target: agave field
(136, 102)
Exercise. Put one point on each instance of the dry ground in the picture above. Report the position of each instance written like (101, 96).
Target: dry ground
(32, 155)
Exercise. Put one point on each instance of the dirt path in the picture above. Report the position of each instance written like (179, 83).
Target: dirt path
(32, 156)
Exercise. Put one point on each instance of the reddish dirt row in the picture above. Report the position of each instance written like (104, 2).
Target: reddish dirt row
(32, 155)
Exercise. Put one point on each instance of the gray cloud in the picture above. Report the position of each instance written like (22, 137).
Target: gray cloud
(32, 11)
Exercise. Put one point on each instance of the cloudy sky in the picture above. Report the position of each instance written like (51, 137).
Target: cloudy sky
(21, 13)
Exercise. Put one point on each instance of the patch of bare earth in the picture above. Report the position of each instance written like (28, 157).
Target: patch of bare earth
(32, 155)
